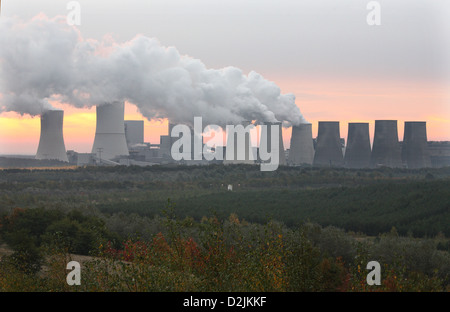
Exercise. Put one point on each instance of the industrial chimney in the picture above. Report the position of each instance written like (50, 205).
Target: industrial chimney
(328, 147)
(415, 152)
(265, 137)
(51, 142)
(358, 151)
(237, 144)
(302, 147)
(386, 147)
(110, 140)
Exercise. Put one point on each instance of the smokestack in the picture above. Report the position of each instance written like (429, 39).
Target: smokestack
(328, 147)
(415, 152)
(236, 158)
(51, 142)
(110, 140)
(302, 147)
(265, 137)
(357, 152)
(386, 148)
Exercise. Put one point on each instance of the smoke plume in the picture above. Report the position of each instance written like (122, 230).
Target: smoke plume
(45, 59)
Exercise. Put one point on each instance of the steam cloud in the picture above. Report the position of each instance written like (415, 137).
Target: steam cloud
(45, 59)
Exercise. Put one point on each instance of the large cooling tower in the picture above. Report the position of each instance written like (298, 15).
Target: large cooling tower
(328, 147)
(110, 140)
(386, 148)
(239, 157)
(265, 137)
(357, 152)
(415, 152)
(302, 147)
(51, 142)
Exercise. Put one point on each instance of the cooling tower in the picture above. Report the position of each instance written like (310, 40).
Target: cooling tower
(51, 142)
(328, 147)
(265, 137)
(238, 145)
(110, 140)
(302, 147)
(386, 148)
(415, 152)
(357, 152)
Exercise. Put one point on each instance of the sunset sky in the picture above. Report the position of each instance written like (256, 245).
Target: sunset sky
(324, 52)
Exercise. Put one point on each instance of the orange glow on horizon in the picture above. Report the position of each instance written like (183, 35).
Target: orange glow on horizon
(343, 101)
(370, 100)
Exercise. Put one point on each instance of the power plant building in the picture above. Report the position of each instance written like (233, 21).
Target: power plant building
(134, 132)
(51, 142)
(194, 156)
(358, 150)
(439, 153)
(386, 149)
(165, 145)
(122, 142)
(328, 147)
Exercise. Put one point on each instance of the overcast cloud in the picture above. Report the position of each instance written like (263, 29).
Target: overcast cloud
(306, 38)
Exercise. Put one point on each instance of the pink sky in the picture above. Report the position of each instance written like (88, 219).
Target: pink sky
(298, 45)
(318, 100)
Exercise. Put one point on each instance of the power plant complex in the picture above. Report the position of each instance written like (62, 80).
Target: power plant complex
(121, 142)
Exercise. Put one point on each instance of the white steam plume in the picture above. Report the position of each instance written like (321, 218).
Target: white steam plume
(45, 59)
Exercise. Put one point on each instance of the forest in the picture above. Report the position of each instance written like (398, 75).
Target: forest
(184, 229)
